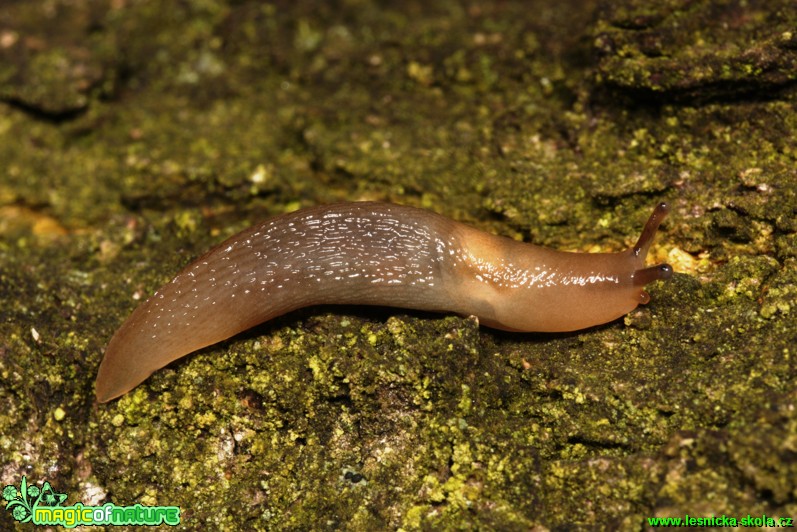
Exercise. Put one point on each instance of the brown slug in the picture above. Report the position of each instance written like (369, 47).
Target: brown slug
(374, 254)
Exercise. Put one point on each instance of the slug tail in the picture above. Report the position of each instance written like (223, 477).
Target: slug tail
(115, 377)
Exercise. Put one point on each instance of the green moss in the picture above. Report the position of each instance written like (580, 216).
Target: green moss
(695, 52)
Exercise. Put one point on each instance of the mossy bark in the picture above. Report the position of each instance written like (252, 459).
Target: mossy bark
(134, 135)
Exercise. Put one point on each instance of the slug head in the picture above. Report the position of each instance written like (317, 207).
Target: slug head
(659, 272)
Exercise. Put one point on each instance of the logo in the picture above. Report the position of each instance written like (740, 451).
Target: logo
(43, 506)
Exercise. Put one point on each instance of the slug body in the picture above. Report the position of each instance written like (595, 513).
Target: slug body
(374, 254)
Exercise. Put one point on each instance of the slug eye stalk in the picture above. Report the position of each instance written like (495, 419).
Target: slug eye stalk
(649, 231)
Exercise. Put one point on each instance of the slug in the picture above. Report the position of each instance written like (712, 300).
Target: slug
(374, 254)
